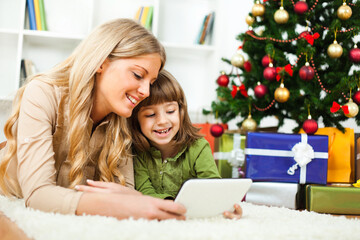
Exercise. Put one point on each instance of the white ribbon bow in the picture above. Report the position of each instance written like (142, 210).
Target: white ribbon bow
(303, 154)
(235, 157)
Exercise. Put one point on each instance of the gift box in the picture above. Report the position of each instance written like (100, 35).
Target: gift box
(292, 158)
(341, 162)
(229, 154)
(275, 194)
(357, 156)
(333, 199)
(205, 130)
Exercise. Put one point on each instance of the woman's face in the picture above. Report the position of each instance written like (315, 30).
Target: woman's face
(121, 84)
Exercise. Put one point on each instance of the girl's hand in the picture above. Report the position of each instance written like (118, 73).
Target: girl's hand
(105, 187)
(237, 214)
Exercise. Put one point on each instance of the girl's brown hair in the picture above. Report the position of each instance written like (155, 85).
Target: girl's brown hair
(165, 89)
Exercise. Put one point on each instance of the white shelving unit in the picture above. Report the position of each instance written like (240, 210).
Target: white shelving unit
(175, 23)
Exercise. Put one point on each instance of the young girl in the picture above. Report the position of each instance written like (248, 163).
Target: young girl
(168, 148)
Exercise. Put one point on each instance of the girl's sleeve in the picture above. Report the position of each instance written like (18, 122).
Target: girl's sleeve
(205, 166)
(35, 155)
(142, 179)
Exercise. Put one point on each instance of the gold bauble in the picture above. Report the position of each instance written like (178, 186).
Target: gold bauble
(249, 124)
(353, 108)
(258, 9)
(335, 50)
(281, 94)
(344, 12)
(221, 99)
(249, 20)
(281, 16)
(237, 60)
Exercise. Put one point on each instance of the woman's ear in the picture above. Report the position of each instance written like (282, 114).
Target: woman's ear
(99, 70)
(102, 66)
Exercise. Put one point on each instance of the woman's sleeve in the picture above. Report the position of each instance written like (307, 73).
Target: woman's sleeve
(142, 179)
(128, 171)
(205, 166)
(36, 164)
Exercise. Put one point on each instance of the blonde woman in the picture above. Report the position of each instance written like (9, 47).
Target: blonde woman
(68, 126)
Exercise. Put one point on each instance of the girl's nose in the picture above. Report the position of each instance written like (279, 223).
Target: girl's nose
(162, 118)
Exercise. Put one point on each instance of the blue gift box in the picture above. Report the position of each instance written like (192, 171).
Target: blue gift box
(292, 158)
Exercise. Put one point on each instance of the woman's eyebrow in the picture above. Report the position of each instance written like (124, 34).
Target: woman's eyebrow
(142, 68)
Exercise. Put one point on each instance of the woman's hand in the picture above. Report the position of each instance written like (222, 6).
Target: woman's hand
(123, 206)
(105, 187)
(237, 214)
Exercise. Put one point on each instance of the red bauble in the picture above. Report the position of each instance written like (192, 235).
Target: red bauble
(310, 126)
(216, 130)
(304, 34)
(247, 66)
(223, 80)
(354, 55)
(356, 97)
(306, 73)
(266, 60)
(300, 7)
(270, 73)
(260, 90)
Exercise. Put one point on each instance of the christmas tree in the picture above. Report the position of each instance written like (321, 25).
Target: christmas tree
(303, 64)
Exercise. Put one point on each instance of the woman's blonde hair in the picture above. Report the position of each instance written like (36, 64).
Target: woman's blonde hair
(165, 89)
(119, 38)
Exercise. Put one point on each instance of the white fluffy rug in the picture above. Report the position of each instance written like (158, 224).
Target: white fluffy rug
(258, 222)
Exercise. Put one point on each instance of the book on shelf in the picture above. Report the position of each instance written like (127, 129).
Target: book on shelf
(36, 14)
(22, 73)
(27, 69)
(144, 16)
(206, 28)
(148, 22)
(31, 14)
(42, 15)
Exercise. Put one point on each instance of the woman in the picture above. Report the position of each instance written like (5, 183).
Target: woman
(68, 125)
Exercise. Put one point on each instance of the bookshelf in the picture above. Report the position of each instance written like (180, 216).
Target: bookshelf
(175, 23)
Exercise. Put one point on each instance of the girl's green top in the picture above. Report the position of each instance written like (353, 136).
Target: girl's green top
(163, 179)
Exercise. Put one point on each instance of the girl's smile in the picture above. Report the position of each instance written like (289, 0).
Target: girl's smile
(160, 123)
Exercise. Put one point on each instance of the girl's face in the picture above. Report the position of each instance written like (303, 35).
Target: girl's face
(121, 84)
(160, 123)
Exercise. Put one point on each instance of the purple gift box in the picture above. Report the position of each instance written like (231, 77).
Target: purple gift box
(292, 158)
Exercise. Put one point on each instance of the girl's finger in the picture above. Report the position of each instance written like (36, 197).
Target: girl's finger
(238, 210)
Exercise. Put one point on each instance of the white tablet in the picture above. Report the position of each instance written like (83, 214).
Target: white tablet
(211, 197)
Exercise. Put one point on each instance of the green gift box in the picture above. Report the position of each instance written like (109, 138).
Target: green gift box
(229, 154)
(332, 199)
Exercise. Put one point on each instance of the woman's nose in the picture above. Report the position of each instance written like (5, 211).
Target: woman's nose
(144, 89)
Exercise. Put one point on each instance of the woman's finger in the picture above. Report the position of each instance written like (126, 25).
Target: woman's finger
(171, 207)
(99, 184)
(84, 188)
